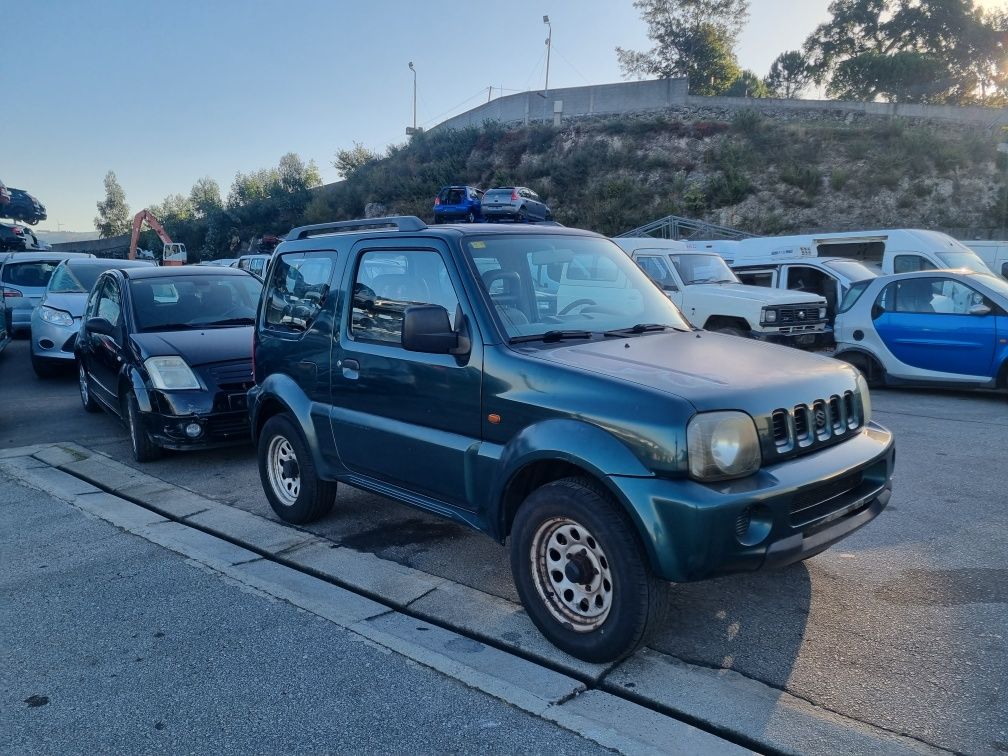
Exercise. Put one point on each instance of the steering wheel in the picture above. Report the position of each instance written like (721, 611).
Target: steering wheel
(576, 303)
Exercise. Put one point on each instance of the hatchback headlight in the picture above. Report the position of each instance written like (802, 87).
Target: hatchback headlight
(769, 316)
(54, 316)
(862, 388)
(722, 445)
(171, 373)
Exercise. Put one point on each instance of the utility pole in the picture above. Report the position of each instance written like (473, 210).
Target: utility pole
(549, 46)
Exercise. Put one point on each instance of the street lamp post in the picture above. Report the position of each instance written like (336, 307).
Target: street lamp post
(414, 94)
(549, 46)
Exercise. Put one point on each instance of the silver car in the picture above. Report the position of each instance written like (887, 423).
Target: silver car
(25, 276)
(517, 203)
(56, 321)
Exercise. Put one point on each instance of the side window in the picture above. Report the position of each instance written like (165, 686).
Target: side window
(911, 264)
(884, 302)
(297, 290)
(592, 268)
(756, 277)
(1004, 269)
(387, 283)
(917, 295)
(109, 302)
(657, 269)
(91, 309)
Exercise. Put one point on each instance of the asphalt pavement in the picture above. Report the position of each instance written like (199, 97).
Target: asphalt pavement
(902, 626)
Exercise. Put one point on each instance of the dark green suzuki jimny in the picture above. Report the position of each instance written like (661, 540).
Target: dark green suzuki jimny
(531, 382)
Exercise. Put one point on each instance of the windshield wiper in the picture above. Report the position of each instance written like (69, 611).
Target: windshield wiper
(551, 336)
(230, 321)
(641, 328)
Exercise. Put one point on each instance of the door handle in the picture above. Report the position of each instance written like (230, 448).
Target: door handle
(351, 369)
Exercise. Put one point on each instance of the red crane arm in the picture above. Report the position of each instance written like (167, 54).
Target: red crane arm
(152, 222)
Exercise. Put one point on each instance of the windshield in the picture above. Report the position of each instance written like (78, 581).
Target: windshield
(851, 269)
(964, 259)
(703, 269)
(164, 304)
(557, 284)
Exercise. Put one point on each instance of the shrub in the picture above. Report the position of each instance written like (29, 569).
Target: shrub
(839, 178)
(804, 177)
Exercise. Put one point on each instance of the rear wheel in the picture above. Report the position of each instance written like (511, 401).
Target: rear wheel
(581, 572)
(144, 450)
(90, 405)
(471, 217)
(288, 474)
(522, 215)
(874, 374)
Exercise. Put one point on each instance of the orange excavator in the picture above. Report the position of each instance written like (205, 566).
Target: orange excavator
(174, 252)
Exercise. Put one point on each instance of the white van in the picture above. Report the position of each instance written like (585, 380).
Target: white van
(713, 298)
(901, 250)
(994, 253)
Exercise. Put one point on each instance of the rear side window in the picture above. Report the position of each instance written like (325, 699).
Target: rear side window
(297, 290)
(29, 274)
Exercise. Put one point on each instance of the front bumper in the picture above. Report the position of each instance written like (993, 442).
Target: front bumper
(222, 417)
(809, 336)
(783, 514)
(51, 341)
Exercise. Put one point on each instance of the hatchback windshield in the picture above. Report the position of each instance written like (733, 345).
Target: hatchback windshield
(177, 303)
(568, 287)
(703, 269)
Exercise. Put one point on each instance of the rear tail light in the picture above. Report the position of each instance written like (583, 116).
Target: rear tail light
(12, 293)
(437, 201)
(514, 195)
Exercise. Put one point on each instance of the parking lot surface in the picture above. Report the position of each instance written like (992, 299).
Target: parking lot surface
(902, 626)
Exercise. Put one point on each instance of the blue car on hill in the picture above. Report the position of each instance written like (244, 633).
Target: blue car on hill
(458, 203)
(929, 328)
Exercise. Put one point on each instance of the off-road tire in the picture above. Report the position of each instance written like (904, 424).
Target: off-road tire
(144, 450)
(313, 497)
(638, 599)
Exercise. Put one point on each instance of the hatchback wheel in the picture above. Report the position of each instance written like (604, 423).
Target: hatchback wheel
(288, 474)
(144, 450)
(522, 215)
(581, 573)
(90, 405)
(471, 217)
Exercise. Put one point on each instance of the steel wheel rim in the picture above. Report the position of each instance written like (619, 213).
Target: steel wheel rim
(286, 484)
(582, 605)
(84, 391)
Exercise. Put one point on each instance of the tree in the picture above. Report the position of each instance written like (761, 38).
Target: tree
(348, 162)
(295, 175)
(747, 84)
(911, 51)
(113, 216)
(789, 75)
(693, 38)
(205, 198)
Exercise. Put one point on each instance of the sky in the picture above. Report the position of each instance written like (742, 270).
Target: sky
(164, 93)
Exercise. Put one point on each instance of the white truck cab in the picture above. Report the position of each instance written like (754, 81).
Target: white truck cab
(994, 253)
(712, 297)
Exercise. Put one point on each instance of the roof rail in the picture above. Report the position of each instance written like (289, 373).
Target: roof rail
(399, 222)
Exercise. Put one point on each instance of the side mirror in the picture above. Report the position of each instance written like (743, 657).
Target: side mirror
(99, 325)
(979, 309)
(427, 328)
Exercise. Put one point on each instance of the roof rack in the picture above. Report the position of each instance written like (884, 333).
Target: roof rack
(399, 222)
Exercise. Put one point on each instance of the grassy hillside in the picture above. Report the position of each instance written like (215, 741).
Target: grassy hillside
(755, 173)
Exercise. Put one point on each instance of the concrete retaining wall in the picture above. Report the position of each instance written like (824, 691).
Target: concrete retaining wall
(653, 95)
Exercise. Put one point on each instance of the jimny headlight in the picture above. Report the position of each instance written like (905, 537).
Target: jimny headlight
(722, 445)
(168, 373)
(54, 316)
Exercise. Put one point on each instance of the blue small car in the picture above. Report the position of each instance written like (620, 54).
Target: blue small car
(458, 203)
(928, 328)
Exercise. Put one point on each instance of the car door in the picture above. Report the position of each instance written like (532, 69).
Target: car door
(933, 324)
(805, 278)
(660, 270)
(536, 207)
(404, 418)
(102, 354)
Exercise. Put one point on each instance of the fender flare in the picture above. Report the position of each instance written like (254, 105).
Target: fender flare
(281, 389)
(588, 447)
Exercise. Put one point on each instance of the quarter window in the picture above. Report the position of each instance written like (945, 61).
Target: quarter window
(389, 282)
(756, 277)
(109, 302)
(297, 290)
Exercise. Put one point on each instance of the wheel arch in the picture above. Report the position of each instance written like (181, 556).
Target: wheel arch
(714, 322)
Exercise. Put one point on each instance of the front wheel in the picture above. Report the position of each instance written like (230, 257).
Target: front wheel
(581, 573)
(288, 474)
(144, 450)
(90, 405)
